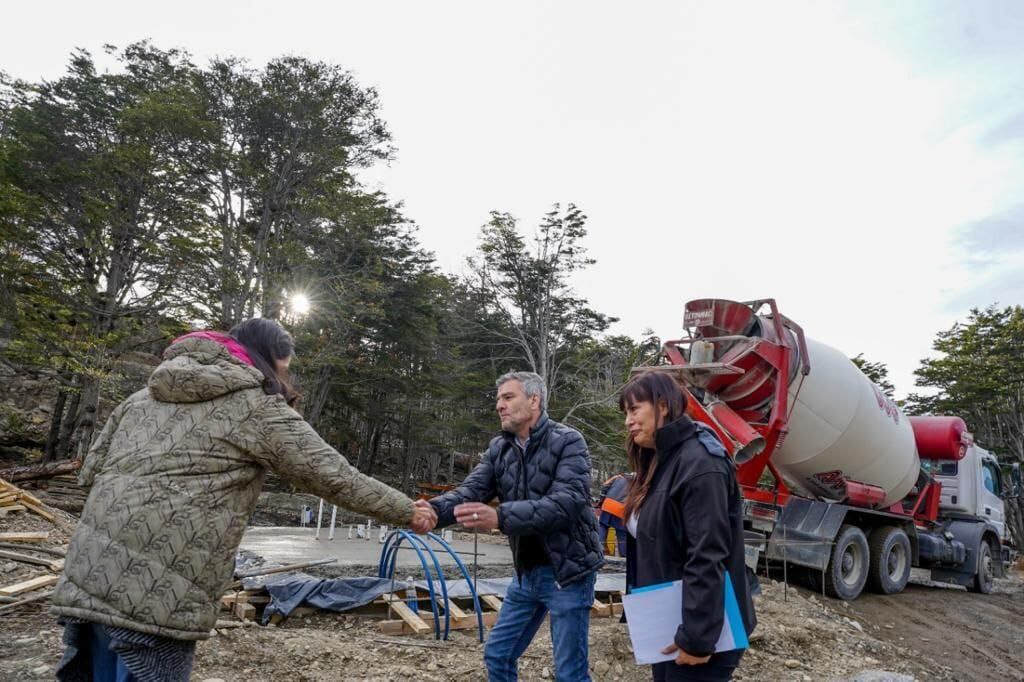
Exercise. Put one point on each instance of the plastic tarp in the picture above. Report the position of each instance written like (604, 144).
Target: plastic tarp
(337, 594)
(292, 590)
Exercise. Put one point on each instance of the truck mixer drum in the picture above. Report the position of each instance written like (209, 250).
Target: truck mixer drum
(844, 460)
(838, 419)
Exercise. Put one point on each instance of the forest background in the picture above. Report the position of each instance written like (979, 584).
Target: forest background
(163, 196)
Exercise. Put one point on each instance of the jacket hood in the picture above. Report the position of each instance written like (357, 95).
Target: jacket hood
(197, 369)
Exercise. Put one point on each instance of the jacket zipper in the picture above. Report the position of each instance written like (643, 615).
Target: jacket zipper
(522, 480)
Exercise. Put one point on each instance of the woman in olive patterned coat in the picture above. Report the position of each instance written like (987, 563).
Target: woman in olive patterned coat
(175, 476)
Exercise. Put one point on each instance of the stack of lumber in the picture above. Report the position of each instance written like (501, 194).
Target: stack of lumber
(420, 620)
(45, 564)
(13, 499)
(63, 492)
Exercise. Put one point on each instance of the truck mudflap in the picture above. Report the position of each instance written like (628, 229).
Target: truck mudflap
(804, 534)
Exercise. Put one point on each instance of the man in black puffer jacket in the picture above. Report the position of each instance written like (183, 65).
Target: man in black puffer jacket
(540, 472)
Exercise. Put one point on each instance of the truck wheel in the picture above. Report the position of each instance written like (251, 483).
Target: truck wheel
(984, 578)
(890, 560)
(848, 567)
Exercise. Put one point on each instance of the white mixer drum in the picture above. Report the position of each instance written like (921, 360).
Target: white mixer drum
(841, 422)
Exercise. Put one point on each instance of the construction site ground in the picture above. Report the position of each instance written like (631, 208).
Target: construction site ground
(926, 633)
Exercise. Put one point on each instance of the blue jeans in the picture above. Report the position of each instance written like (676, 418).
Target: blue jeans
(107, 666)
(527, 602)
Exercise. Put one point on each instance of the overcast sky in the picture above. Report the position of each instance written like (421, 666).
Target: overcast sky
(862, 163)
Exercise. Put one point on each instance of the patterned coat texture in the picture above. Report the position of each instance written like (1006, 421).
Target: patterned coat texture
(175, 476)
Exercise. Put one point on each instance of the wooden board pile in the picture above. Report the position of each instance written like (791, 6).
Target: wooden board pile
(56, 484)
(63, 492)
(46, 562)
(14, 500)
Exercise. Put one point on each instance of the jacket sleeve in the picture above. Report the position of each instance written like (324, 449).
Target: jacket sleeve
(98, 451)
(566, 499)
(706, 533)
(479, 486)
(293, 450)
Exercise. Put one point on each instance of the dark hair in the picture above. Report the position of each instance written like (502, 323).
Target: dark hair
(656, 388)
(267, 342)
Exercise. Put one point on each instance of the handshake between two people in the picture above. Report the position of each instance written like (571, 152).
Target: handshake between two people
(473, 515)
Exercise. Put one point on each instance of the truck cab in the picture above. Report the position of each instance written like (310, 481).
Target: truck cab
(972, 486)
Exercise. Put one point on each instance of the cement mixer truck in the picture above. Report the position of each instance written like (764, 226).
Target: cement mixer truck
(835, 478)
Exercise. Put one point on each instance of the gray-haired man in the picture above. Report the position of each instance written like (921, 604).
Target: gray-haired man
(540, 472)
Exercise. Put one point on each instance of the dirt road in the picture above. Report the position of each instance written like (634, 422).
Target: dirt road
(977, 637)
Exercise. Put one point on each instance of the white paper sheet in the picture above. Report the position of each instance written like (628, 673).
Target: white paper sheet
(654, 613)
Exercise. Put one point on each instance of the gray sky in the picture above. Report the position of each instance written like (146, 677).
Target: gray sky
(861, 163)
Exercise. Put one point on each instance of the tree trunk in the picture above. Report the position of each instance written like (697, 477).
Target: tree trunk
(317, 398)
(87, 416)
(53, 435)
(370, 445)
(67, 426)
(45, 470)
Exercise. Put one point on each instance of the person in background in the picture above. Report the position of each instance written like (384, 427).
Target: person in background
(684, 517)
(613, 506)
(175, 474)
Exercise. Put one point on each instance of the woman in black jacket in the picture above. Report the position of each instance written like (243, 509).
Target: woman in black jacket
(685, 522)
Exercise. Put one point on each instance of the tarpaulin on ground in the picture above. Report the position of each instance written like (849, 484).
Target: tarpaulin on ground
(290, 591)
(336, 594)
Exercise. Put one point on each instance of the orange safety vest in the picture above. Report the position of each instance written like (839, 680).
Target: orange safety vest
(614, 501)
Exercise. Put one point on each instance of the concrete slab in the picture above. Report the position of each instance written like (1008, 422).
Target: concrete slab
(288, 545)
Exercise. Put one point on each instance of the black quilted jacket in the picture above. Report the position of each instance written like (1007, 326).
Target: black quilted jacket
(546, 493)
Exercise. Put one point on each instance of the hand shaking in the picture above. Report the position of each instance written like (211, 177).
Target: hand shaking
(424, 518)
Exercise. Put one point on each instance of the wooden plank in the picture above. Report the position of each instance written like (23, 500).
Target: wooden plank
(283, 569)
(243, 611)
(11, 509)
(417, 624)
(491, 600)
(608, 611)
(31, 536)
(55, 565)
(39, 509)
(15, 489)
(400, 627)
(454, 610)
(26, 600)
(229, 600)
(8, 498)
(28, 585)
(17, 547)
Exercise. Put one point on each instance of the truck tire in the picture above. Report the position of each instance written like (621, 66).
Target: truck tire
(984, 578)
(890, 560)
(847, 570)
